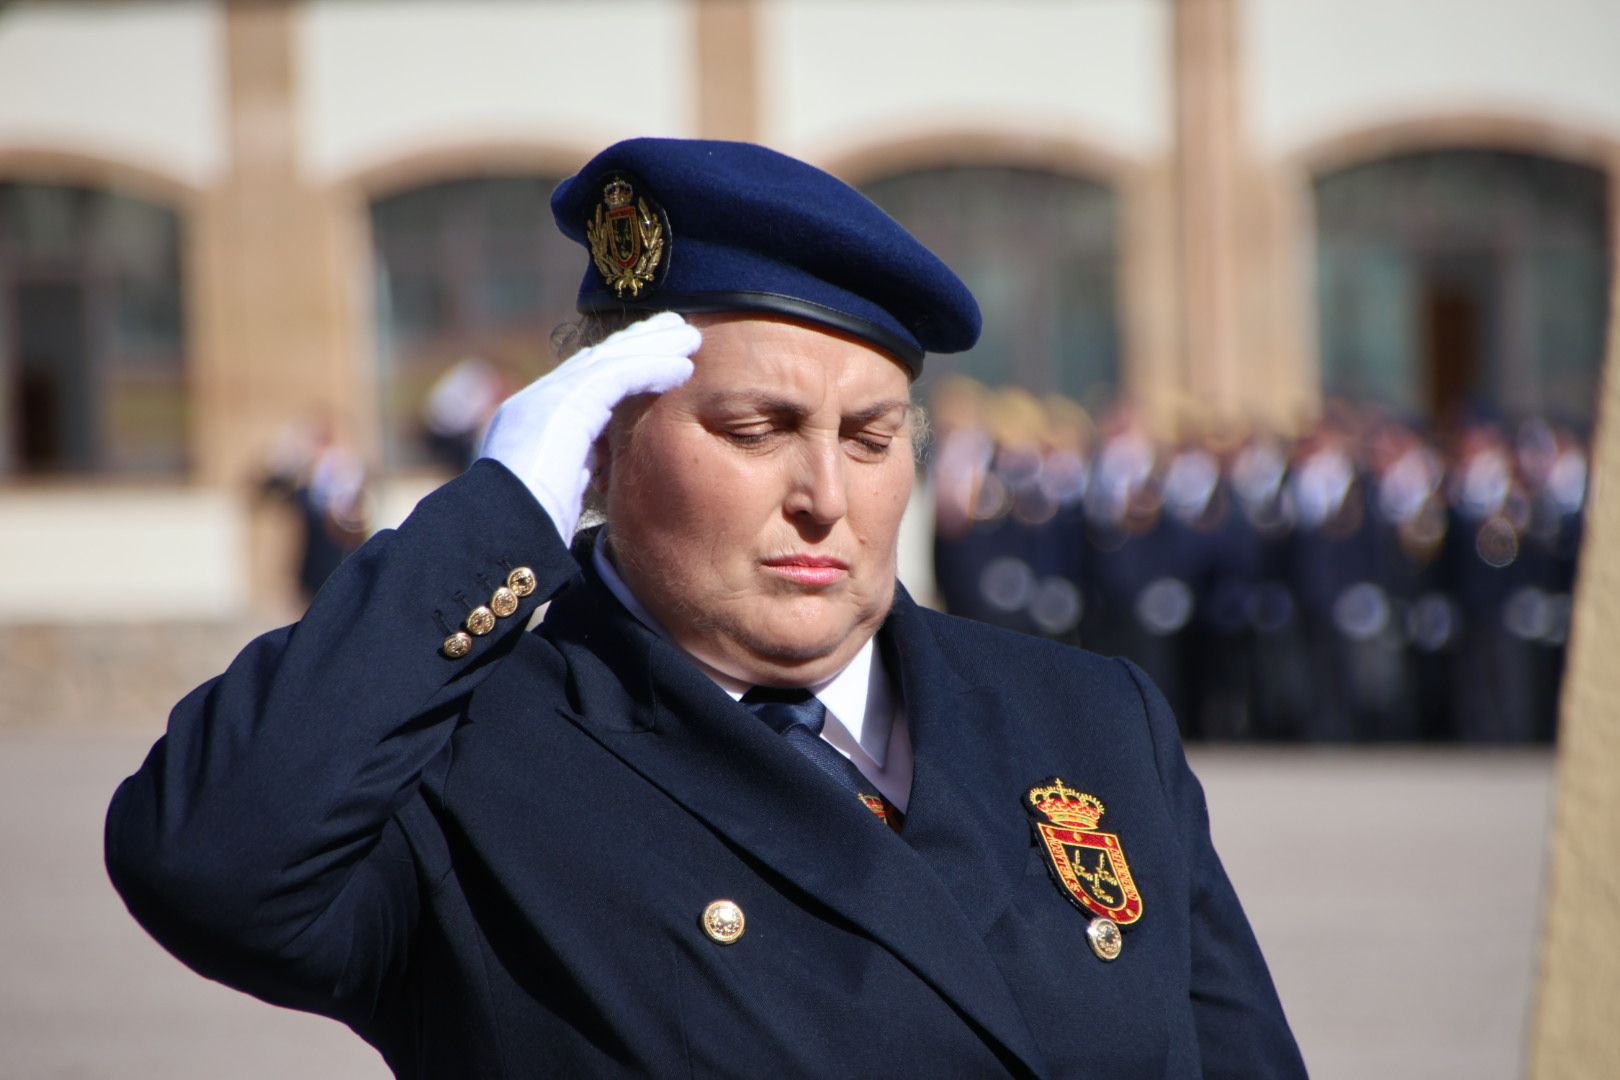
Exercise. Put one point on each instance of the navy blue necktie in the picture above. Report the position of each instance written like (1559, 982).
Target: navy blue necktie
(798, 717)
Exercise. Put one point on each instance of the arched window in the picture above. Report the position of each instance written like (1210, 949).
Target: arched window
(466, 270)
(92, 353)
(1462, 280)
(1039, 251)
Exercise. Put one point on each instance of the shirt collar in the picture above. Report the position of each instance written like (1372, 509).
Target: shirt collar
(858, 698)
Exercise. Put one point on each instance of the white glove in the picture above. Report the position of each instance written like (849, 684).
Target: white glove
(546, 432)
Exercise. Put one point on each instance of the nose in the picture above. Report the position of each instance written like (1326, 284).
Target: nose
(819, 488)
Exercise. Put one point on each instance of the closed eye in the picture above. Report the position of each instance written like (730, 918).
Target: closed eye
(754, 431)
(871, 442)
(750, 438)
(873, 431)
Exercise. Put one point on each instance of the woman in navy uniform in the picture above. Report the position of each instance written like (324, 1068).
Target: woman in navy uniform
(947, 850)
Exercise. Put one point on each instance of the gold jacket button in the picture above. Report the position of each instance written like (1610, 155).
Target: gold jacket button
(521, 581)
(723, 921)
(1105, 938)
(457, 645)
(480, 620)
(504, 602)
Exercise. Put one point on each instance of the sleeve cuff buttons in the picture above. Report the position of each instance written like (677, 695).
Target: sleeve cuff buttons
(481, 619)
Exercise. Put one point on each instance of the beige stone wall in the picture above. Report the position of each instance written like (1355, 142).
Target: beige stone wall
(138, 81)
(385, 79)
(1333, 66)
(1576, 1032)
(111, 678)
(836, 75)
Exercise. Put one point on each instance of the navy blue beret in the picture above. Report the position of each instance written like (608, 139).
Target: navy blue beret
(694, 225)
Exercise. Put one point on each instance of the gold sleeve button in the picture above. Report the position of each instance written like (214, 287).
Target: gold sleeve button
(504, 602)
(521, 581)
(480, 620)
(457, 645)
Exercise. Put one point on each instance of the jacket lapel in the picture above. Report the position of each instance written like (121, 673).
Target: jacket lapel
(645, 702)
(964, 816)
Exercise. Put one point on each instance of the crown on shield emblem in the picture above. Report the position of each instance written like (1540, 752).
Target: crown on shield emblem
(626, 237)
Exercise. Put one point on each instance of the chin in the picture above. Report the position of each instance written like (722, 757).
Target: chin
(795, 649)
(804, 640)
(761, 654)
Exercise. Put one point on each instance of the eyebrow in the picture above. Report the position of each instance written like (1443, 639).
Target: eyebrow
(784, 407)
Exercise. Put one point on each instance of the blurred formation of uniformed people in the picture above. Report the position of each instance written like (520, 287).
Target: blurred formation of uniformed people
(1365, 579)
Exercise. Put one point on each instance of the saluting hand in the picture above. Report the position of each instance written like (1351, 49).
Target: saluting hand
(546, 433)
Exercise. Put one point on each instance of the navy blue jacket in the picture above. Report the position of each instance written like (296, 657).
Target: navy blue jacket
(496, 866)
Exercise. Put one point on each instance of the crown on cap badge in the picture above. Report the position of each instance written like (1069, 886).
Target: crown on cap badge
(618, 193)
(626, 237)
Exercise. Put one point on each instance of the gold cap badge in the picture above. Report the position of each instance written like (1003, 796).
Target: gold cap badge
(627, 238)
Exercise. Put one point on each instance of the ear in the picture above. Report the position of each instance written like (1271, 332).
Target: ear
(614, 443)
(600, 463)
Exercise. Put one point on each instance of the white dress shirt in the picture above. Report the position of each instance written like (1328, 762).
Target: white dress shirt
(866, 721)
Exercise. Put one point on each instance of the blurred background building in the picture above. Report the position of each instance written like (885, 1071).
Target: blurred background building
(1295, 312)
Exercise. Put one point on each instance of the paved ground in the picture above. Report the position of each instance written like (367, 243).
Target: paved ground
(1396, 894)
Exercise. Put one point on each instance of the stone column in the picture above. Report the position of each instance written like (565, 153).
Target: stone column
(1575, 1035)
(1245, 298)
(274, 313)
(727, 33)
(1150, 305)
(1207, 176)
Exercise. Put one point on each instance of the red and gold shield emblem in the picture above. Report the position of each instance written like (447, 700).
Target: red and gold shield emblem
(1089, 866)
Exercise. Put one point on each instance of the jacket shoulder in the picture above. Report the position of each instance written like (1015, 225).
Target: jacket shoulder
(991, 655)
(1050, 683)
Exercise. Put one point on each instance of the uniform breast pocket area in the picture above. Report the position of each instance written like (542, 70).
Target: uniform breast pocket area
(783, 987)
(1085, 1007)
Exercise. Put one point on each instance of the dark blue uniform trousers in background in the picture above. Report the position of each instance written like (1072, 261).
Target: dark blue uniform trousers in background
(496, 866)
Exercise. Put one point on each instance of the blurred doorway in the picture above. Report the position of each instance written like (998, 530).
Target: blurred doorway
(52, 425)
(1453, 308)
(1454, 282)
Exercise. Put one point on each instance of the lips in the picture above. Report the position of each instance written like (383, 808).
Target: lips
(813, 570)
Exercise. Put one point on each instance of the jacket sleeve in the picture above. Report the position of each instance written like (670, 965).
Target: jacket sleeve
(1242, 1032)
(257, 842)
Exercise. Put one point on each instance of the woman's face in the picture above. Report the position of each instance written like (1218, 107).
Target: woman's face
(755, 509)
